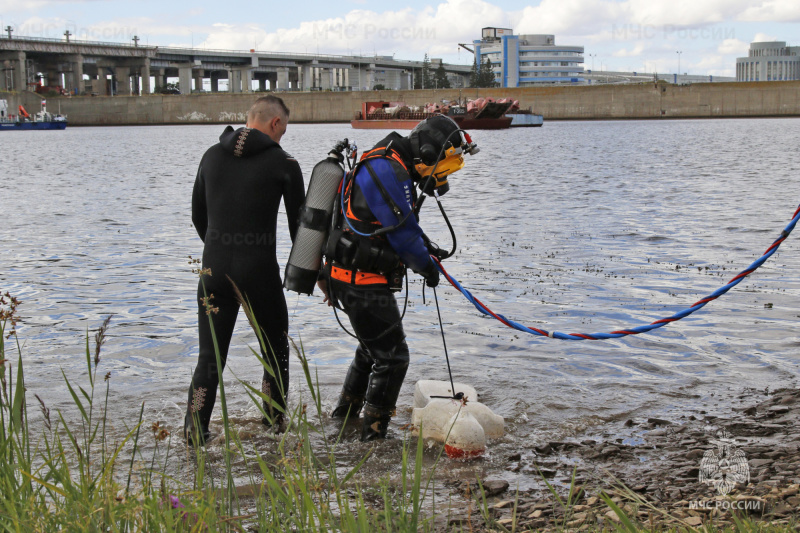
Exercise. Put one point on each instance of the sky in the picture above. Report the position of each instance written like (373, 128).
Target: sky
(700, 36)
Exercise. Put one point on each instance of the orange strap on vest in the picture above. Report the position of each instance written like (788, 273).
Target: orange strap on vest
(386, 153)
(349, 214)
(375, 152)
(356, 277)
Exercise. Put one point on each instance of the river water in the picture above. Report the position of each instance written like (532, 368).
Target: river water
(574, 227)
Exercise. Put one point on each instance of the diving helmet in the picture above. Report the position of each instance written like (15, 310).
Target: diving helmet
(438, 145)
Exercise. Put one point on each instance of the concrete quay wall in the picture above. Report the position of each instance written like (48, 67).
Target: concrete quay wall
(644, 101)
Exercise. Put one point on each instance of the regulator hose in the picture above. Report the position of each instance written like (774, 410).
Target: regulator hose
(631, 331)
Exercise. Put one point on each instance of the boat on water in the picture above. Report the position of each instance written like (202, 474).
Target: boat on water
(25, 121)
(479, 114)
(525, 120)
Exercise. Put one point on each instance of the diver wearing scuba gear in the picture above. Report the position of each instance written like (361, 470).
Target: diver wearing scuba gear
(377, 215)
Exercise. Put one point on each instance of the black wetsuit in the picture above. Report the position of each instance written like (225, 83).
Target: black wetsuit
(235, 202)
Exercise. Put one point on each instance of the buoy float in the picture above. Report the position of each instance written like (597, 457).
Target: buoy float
(466, 439)
(427, 389)
(461, 425)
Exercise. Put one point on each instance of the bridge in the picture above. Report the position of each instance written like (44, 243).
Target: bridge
(102, 68)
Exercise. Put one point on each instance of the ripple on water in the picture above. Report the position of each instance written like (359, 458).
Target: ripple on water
(594, 228)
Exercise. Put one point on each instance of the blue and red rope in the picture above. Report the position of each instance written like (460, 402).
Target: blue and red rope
(632, 331)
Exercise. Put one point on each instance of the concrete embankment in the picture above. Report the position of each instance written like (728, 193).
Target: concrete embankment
(644, 101)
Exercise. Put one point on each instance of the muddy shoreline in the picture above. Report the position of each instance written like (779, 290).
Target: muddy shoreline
(749, 463)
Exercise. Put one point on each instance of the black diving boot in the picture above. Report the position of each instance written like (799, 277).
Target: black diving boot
(375, 423)
(349, 406)
(195, 431)
(275, 417)
(355, 386)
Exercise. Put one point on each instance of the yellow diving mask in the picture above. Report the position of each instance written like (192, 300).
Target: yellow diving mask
(453, 161)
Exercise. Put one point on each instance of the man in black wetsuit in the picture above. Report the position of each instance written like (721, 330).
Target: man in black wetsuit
(364, 268)
(238, 189)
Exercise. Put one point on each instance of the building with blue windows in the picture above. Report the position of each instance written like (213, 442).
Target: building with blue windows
(769, 61)
(528, 60)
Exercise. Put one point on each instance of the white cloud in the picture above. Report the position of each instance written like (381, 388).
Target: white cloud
(713, 63)
(118, 30)
(360, 31)
(772, 11)
(15, 6)
(733, 47)
(764, 38)
(636, 51)
(683, 12)
(604, 22)
(569, 17)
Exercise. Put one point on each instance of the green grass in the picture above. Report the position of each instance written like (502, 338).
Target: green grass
(70, 477)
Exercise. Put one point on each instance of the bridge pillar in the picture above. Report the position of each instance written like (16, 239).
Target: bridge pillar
(326, 78)
(306, 77)
(197, 75)
(122, 76)
(146, 77)
(229, 77)
(243, 79)
(185, 78)
(158, 75)
(97, 79)
(73, 78)
(262, 83)
(234, 80)
(19, 75)
(135, 85)
(368, 77)
(53, 77)
(246, 74)
(283, 78)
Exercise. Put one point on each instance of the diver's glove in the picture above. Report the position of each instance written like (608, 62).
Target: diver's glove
(431, 275)
(436, 252)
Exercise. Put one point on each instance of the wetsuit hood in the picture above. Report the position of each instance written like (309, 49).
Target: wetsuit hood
(245, 142)
(402, 146)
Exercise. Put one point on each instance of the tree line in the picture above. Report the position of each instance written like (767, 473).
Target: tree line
(429, 78)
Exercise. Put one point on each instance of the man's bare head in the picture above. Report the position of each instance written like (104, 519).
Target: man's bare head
(270, 116)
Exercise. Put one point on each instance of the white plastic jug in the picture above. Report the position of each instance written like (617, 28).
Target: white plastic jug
(426, 388)
(435, 418)
(466, 439)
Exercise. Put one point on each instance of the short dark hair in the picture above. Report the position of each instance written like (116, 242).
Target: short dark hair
(267, 107)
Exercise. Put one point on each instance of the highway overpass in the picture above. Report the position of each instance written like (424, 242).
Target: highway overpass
(103, 68)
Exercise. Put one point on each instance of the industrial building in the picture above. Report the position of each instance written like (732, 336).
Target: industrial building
(528, 60)
(769, 61)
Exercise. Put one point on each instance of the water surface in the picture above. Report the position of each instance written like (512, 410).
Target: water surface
(575, 227)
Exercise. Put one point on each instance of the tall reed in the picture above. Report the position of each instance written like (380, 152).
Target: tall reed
(76, 476)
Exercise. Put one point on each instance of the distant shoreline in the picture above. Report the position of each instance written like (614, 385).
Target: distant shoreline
(599, 102)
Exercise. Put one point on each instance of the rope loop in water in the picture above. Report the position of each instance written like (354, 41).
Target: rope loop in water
(480, 306)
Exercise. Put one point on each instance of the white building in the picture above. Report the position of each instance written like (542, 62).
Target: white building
(528, 60)
(769, 61)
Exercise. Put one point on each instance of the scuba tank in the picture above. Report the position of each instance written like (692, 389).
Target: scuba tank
(305, 258)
